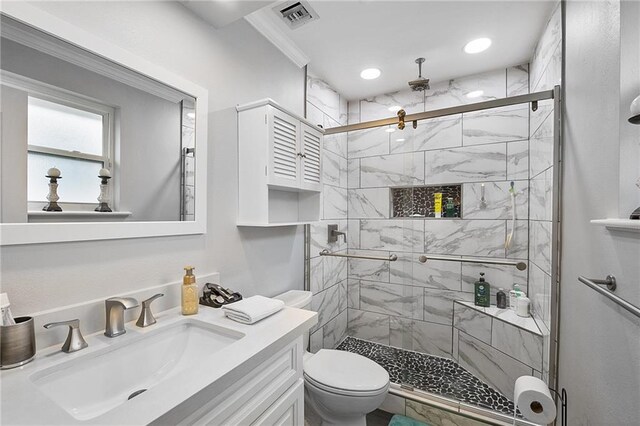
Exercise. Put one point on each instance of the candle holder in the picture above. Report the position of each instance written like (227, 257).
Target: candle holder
(53, 174)
(104, 176)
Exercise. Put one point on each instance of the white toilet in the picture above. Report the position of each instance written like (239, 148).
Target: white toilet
(342, 387)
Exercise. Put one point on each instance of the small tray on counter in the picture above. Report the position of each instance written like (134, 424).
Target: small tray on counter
(216, 296)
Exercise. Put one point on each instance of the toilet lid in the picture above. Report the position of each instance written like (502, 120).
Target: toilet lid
(345, 372)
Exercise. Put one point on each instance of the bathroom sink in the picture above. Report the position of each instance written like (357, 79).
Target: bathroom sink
(98, 382)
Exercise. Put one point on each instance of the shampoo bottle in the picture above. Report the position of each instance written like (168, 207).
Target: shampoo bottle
(482, 292)
(501, 299)
(189, 292)
(513, 296)
(450, 208)
(437, 204)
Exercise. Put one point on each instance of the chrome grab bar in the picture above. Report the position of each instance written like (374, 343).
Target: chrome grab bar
(521, 266)
(391, 258)
(610, 282)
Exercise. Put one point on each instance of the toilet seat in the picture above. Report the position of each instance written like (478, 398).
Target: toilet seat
(342, 392)
(345, 373)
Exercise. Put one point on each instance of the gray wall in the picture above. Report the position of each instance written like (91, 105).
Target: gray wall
(599, 342)
(236, 65)
(147, 164)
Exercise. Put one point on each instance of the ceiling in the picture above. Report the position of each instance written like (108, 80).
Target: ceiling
(219, 13)
(353, 35)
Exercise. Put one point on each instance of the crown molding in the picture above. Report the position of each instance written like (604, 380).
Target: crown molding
(262, 22)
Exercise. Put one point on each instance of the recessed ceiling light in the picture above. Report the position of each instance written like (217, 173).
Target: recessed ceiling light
(395, 108)
(400, 140)
(390, 130)
(478, 45)
(475, 94)
(370, 73)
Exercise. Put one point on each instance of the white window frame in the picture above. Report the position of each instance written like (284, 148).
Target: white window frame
(37, 89)
(108, 140)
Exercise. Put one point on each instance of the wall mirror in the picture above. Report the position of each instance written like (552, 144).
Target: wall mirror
(96, 142)
(629, 90)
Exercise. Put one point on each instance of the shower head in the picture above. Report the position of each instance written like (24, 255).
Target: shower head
(420, 84)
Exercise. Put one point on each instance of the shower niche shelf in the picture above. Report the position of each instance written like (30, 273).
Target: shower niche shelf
(419, 201)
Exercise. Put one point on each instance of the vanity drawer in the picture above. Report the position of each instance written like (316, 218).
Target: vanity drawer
(288, 410)
(246, 399)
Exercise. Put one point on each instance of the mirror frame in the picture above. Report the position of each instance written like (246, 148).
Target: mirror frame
(36, 233)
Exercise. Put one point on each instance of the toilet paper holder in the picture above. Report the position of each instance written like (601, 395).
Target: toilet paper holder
(562, 395)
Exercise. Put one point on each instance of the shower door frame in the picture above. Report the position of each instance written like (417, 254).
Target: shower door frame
(443, 112)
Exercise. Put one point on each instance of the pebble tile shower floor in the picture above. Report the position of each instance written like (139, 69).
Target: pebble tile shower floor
(439, 376)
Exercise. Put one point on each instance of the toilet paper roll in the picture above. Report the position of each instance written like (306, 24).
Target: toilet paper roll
(533, 399)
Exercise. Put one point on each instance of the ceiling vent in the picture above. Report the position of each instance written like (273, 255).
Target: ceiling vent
(296, 13)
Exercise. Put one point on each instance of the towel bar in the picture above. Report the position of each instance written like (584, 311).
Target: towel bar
(521, 266)
(391, 258)
(610, 282)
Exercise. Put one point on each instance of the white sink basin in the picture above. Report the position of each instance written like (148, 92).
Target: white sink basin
(91, 385)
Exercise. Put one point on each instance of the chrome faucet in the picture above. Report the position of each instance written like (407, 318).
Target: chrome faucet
(115, 307)
(74, 341)
(146, 317)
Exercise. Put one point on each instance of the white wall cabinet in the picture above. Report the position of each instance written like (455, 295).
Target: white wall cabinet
(279, 166)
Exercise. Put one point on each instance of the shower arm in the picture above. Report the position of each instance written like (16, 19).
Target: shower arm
(419, 61)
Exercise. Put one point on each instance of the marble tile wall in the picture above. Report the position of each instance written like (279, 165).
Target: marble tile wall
(545, 68)
(409, 304)
(497, 345)
(494, 344)
(328, 278)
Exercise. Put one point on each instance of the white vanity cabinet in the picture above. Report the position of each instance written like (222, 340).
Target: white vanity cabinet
(268, 393)
(203, 369)
(279, 166)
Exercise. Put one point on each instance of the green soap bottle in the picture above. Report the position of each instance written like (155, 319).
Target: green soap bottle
(482, 292)
(450, 208)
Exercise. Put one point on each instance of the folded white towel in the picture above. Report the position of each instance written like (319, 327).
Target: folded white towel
(252, 309)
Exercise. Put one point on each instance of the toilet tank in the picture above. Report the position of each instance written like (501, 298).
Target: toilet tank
(297, 299)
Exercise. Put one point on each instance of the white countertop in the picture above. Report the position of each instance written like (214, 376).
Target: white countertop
(23, 403)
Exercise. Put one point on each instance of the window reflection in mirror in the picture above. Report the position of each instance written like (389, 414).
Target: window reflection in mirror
(71, 137)
(67, 108)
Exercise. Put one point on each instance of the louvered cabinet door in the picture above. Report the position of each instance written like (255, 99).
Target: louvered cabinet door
(284, 163)
(311, 158)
